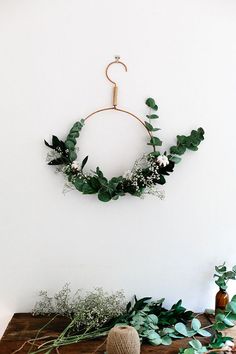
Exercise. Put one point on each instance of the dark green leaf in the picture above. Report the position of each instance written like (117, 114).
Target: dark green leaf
(161, 180)
(155, 141)
(104, 195)
(84, 162)
(72, 155)
(94, 183)
(150, 102)
(175, 159)
(55, 141)
(181, 328)
(69, 144)
(48, 145)
(87, 189)
(152, 116)
(59, 161)
(79, 182)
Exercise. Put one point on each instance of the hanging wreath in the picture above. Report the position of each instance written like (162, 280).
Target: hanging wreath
(146, 174)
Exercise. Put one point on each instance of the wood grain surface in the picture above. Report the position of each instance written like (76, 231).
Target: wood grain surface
(23, 326)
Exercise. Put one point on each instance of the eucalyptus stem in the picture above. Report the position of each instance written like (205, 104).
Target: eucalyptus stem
(50, 345)
(39, 331)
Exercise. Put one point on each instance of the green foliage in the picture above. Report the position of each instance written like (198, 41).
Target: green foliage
(155, 324)
(150, 127)
(226, 319)
(152, 116)
(190, 142)
(60, 148)
(196, 347)
(150, 102)
(70, 142)
(175, 159)
(223, 320)
(223, 275)
(84, 162)
(155, 141)
(218, 341)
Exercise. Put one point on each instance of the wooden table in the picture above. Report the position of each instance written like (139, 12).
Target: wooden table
(23, 326)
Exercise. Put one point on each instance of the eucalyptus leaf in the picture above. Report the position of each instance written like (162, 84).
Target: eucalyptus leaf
(196, 344)
(196, 324)
(181, 328)
(155, 141)
(231, 306)
(87, 189)
(153, 318)
(152, 116)
(150, 102)
(228, 322)
(189, 351)
(175, 159)
(166, 340)
(104, 195)
(72, 156)
(204, 333)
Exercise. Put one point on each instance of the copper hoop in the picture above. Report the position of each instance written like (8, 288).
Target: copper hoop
(115, 94)
(123, 111)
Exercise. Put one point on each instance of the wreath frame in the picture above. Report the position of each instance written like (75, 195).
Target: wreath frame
(140, 180)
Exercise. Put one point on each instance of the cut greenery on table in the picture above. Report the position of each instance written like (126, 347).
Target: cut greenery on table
(93, 314)
(147, 173)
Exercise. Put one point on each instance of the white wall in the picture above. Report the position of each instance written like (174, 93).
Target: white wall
(53, 55)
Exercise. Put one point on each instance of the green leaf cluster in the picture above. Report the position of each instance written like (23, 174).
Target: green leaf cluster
(154, 141)
(70, 142)
(196, 347)
(223, 275)
(150, 102)
(60, 147)
(184, 142)
(157, 325)
(106, 189)
(218, 341)
(226, 319)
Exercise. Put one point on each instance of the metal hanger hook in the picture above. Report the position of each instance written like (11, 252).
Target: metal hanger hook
(117, 61)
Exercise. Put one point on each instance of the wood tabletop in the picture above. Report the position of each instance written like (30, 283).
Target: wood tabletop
(24, 326)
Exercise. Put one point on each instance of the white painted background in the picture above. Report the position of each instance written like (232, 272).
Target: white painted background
(53, 55)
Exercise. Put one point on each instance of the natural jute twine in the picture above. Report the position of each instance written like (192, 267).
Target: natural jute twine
(123, 340)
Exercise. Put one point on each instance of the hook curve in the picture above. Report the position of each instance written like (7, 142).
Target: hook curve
(117, 61)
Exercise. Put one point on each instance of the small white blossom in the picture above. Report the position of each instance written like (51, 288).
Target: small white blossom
(75, 165)
(153, 190)
(229, 343)
(52, 155)
(163, 160)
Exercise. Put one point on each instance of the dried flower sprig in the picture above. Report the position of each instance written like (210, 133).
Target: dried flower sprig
(89, 310)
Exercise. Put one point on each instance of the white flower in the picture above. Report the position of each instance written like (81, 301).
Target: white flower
(75, 165)
(229, 343)
(162, 160)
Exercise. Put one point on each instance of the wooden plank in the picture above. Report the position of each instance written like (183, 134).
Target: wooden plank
(24, 326)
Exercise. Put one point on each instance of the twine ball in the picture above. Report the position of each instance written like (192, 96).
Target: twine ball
(123, 340)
